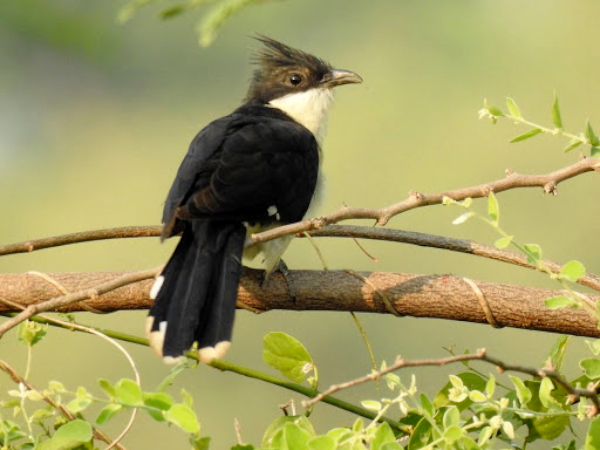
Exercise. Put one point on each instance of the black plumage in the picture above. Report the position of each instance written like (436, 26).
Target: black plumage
(257, 166)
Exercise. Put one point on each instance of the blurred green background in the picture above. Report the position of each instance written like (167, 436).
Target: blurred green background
(95, 118)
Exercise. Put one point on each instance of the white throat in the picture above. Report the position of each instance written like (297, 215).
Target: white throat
(308, 108)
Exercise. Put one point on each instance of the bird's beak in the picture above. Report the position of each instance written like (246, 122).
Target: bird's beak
(337, 77)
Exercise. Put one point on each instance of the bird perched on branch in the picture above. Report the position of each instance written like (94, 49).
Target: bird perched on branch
(255, 169)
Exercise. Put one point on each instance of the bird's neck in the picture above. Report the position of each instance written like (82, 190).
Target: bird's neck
(309, 108)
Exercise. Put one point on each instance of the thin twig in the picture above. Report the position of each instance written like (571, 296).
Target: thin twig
(74, 297)
(479, 355)
(456, 245)
(548, 182)
(5, 367)
(399, 364)
(111, 341)
(83, 236)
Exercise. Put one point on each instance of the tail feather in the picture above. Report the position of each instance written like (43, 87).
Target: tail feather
(196, 301)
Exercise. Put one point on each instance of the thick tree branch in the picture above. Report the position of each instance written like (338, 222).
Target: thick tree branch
(445, 243)
(437, 296)
(347, 231)
(69, 298)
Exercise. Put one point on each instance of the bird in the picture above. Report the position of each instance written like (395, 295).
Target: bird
(250, 171)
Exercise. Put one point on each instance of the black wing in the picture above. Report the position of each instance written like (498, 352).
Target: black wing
(195, 166)
(255, 165)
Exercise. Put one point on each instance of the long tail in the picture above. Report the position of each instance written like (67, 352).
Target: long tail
(196, 293)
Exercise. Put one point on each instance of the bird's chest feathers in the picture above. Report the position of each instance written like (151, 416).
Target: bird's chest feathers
(309, 108)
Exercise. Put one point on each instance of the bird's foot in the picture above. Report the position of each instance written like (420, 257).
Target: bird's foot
(287, 275)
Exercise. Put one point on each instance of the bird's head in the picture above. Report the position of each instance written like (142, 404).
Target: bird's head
(296, 82)
(283, 70)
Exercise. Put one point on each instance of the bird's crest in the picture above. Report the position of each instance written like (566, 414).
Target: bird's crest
(277, 54)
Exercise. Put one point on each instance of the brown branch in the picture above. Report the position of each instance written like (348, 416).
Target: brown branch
(456, 245)
(348, 231)
(12, 373)
(400, 363)
(438, 296)
(83, 236)
(548, 182)
(480, 355)
(91, 293)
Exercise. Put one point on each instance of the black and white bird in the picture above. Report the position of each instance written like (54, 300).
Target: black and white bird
(255, 169)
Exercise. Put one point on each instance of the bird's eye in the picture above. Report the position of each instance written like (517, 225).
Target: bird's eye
(295, 79)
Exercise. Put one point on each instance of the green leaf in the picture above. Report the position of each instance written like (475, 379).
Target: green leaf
(158, 400)
(595, 152)
(451, 417)
(592, 440)
(504, 242)
(338, 434)
(495, 111)
(420, 436)
(490, 387)
(203, 443)
(557, 352)
(321, 443)
(493, 208)
(128, 392)
(470, 380)
(469, 444)
(383, 435)
(573, 270)
(157, 403)
(171, 12)
(533, 253)
(513, 108)
(477, 396)
(188, 400)
(528, 134)
(545, 393)
(56, 386)
(275, 430)
(547, 427)
(560, 301)
(108, 412)
(462, 218)
(79, 404)
(288, 355)
(556, 117)
(573, 143)
(296, 438)
(523, 392)
(594, 346)
(251, 447)
(184, 417)
(591, 367)
(590, 135)
(427, 405)
(78, 430)
(216, 17)
(30, 333)
(371, 405)
(107, 387)
(453, 433)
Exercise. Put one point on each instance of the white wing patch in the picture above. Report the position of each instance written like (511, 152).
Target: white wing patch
(156, 287)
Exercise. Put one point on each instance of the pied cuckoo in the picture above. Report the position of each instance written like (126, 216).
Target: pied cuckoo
(255, 169)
